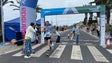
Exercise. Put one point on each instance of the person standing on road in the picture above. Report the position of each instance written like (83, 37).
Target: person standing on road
(98, 30)
(57, 28)
(73, 32)
(29, 38)
(77, 35)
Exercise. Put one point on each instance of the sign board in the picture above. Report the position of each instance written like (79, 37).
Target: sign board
(102, 30)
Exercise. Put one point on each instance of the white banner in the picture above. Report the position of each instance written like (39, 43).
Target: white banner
(102, 30)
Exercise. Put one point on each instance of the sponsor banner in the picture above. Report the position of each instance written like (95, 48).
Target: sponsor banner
(102, 36)
(27, 14)
(23, 20)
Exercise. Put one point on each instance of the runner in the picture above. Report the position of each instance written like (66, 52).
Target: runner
(57, 35)
(47, 31)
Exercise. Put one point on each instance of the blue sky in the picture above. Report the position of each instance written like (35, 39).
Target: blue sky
(68, 19)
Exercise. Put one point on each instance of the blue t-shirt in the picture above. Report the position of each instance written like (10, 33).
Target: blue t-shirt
(73, 29)
(48, 31)
(56, 33)
(77, 31)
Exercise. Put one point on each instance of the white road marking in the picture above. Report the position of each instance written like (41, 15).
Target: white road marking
(10, 51)
(76, 53)
(18, 54)
(109, 50)
(40, 52)
(97, 54)
(64, 43)
(33, 47)
(58, 52)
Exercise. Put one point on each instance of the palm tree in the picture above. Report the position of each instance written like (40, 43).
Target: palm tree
(108, 4)
(38, 8)
(3, 3)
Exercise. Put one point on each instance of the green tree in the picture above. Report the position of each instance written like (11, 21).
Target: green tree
(108, 4)
(85, 19)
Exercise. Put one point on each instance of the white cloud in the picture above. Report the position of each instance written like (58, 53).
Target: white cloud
(62, 3)
(9, 13)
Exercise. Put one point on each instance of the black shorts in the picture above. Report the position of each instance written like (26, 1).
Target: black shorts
(47, 38)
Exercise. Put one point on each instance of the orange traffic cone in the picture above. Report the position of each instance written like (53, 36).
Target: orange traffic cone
(108, 43)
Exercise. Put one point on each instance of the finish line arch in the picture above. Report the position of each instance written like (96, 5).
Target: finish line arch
(76, 10)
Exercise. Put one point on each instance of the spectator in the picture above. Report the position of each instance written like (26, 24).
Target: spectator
(98, 30)
(77, 33)
(29, 37)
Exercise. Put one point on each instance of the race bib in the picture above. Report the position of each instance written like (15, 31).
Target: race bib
(47, 34)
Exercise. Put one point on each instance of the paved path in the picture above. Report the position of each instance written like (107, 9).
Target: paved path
(87, 51)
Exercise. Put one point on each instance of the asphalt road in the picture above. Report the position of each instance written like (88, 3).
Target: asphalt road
(88, 51)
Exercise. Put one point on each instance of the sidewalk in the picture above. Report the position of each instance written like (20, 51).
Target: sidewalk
(4, 49)
(8, 48)
(94, 34)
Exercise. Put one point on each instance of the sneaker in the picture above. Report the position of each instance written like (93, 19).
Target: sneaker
(26, 56)
(31, 54)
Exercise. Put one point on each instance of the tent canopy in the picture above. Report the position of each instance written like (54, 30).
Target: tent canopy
(13, 26)
(38, 22)
(10, 29)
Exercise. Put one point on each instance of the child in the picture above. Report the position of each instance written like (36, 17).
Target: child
(68, 35)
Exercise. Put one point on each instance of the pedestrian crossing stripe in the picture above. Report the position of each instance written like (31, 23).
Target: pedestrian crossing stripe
(40, 52)
(98, 56)
(76, 53)
(18, 54)
(33, 47)
(109, 50)
(58, 52)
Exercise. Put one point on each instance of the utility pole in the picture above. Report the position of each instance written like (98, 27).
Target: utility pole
(1, 23)
(0, 20)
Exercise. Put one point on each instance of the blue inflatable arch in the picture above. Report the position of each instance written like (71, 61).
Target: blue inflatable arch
(76, 10)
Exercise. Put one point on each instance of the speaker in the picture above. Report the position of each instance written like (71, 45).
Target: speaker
(18, 35)
(18, 38)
